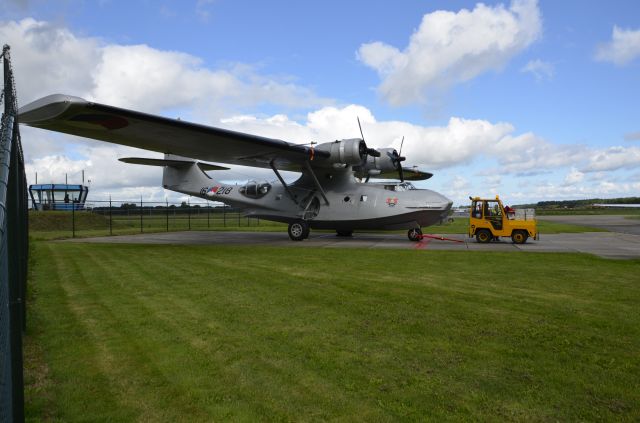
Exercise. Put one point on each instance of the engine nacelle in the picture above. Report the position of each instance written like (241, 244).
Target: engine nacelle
(384, 163)
(376, 165)
(349, 152)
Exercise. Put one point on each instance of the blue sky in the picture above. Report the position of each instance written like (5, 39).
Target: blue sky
(530, 100)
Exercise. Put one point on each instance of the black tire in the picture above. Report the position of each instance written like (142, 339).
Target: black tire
(344, 233)
(484, 236)
(415, 234)
(519, 237)
(298, 230)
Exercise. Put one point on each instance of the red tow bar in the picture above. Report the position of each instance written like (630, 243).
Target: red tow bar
(440, 238)
(423, 240)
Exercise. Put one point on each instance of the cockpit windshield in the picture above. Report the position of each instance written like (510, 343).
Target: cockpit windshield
(403, 186)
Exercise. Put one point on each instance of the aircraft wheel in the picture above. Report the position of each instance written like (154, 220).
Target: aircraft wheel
(415, 234)
(298, 231)
(484, 236)
(344, 233)
(519, 237)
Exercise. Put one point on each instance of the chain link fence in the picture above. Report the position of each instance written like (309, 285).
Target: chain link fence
(13, 252)
(121, 217)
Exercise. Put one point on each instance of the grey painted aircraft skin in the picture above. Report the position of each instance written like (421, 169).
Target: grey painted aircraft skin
(329, 194)
(352, 204)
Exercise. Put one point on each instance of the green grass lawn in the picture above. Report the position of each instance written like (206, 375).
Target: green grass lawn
(52, 225)
(58, 225)
(204, 333)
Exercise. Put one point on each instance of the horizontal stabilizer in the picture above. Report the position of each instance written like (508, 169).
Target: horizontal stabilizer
(173, 163)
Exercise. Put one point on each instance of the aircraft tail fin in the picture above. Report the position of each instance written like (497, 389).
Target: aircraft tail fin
(181, 174)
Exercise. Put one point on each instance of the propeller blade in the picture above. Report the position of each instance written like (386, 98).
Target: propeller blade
(399, 160)
(373, 152)
(360, 126)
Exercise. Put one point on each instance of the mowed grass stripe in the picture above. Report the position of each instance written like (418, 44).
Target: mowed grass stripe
(120, 356)
(198, 333)
(172, 302)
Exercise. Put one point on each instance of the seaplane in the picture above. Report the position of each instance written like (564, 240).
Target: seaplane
(333, 190)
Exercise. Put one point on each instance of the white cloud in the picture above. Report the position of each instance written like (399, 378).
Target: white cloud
(614, 158)
(450, 48)
(50, 59)
(622, 49)
(154, 80)
(493, 181)
(528, 154)
(460, 142)
(573, 177)
(52, 169)
(632, 136)
(539, 69)
(554, 191)
(459, 183)
(202, 9)
(457, 188)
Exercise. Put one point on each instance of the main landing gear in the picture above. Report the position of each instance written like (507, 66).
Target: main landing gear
(415, 234)
(298, 230)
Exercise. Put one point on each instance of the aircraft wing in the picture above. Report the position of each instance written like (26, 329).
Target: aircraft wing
(73, 115)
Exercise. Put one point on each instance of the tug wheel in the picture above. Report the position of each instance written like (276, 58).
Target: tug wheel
(519, 237)
(484, 236)
(415, 234)
(298, 231)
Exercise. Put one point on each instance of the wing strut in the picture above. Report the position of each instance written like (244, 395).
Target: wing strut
(284, 184)
(315, 180)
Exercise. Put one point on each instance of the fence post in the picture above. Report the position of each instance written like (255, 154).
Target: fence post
(189, 212)
(208, 212)
(73, 220)
(238, 218)
(110, 217)
(23, 251)
(167, 213)
(224, 215)
(141, 214)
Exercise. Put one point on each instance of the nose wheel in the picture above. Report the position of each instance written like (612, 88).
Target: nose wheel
(298, 230)
(415, 234)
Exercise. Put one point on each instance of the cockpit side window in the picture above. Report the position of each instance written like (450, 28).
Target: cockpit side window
(253, 189)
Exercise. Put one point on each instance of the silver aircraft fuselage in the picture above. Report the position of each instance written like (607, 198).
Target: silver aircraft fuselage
(349, 204)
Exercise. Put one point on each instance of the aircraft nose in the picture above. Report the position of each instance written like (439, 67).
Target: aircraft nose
(445, 201)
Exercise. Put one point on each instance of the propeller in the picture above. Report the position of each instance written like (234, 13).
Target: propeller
(370, 151)
(397, 159)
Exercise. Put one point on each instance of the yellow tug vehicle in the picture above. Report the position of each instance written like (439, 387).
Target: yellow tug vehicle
(489, 220)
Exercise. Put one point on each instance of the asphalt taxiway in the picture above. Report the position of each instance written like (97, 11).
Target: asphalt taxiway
(613, 223)
(614, 244)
